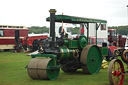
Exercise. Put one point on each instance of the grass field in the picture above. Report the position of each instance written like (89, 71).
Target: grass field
(13, 72)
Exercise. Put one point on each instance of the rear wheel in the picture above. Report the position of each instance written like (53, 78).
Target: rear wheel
(91, 59)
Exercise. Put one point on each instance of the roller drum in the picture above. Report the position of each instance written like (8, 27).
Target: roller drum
(42, 68)
(32, 72)
(42, 72)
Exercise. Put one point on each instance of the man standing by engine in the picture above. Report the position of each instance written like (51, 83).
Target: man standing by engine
(82, 30)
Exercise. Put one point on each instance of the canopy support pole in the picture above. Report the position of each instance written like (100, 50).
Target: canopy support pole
(87, 27)
(97, 26)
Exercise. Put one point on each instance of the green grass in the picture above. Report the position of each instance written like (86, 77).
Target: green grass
(13, 72)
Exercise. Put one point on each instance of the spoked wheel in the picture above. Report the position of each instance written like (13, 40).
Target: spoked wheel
(41, 68)
(116, 54)
(91, 59)
(114, 72)
(124, 55)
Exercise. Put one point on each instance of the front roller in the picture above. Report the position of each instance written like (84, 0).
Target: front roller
(115, 72)
(42, 68)
(91, 59)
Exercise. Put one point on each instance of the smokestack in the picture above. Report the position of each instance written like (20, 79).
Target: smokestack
(52, 23)
(52, 26)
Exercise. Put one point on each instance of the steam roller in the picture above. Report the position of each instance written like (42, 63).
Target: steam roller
(67, 54)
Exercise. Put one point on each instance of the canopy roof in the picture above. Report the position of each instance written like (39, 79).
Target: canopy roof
(77, 20)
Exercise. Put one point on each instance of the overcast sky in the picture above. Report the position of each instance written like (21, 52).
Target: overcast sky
(34, 12)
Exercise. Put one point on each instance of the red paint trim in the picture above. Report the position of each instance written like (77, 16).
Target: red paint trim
(111, 29)
(7, 41)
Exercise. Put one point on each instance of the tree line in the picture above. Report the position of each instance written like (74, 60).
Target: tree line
(38, 30)
(44, 29)
(123, 30)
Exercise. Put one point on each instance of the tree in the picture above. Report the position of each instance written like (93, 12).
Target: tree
(37, 29)
(123, 30)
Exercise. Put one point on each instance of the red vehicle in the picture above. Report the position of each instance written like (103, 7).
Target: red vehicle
(116, 71)
(111, 49)
(114, 40)
(117, 41)
(9, 35)
(32, 42)
(112, 36)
